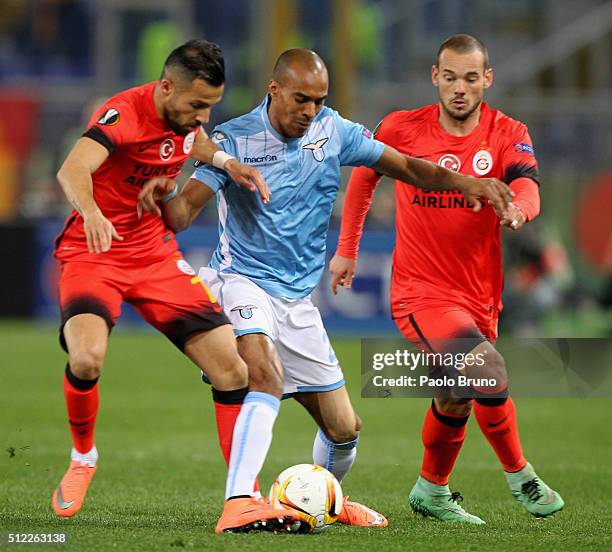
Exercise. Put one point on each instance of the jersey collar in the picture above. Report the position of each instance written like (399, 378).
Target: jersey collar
(484, 118)
(263, 107)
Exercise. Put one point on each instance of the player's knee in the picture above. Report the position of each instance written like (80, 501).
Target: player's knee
(87, 365)
(345, 429)
(266, 375)
(496, 370)
(235, 376)
(342, 434)
(454, 406)
(264, 365)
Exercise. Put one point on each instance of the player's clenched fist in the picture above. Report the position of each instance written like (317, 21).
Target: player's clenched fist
(99, 232)
(513, 218)
(342, 270)
(498, 193)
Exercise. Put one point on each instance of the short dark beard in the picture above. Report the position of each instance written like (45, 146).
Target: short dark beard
(463, 116)
(175, 127)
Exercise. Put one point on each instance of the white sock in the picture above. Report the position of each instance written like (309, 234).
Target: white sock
(251, 442)
(334, 457)
(88, 458)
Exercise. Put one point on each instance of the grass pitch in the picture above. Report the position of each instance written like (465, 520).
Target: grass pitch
(160, 480)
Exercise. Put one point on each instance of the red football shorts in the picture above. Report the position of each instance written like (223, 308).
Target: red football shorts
(447, 329)
(167, 294)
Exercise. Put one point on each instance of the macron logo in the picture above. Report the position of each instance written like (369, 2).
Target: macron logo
(262, 159)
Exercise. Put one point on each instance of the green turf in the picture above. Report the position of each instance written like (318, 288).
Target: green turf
(160, 480)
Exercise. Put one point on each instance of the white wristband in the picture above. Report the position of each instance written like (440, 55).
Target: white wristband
(220, 158)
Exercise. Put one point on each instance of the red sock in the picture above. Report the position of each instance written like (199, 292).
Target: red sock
(226, 420)
(226, 414)
(82, 405)
(498, 423)
(443, 435)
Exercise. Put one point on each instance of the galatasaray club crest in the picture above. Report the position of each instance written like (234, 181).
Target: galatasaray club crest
(245, 311)
(188, 143)
(450, 162)
(482, 162)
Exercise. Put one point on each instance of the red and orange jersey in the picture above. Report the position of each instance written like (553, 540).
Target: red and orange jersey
(444, 251)
(140, 147)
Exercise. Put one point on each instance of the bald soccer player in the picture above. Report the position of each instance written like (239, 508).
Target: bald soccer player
(271, 257)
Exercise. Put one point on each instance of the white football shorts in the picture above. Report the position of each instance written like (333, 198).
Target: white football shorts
(294, 325)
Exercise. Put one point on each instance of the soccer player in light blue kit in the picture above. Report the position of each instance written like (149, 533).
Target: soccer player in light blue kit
(270, 257)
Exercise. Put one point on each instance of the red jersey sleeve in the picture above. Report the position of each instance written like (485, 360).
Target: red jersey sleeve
(526, 197)
(359, 195)
(518, 160)
(520, 169)
(357, 201)
(113, 125)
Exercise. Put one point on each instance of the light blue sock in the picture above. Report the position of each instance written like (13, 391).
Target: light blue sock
(334, 457)
(251, 442)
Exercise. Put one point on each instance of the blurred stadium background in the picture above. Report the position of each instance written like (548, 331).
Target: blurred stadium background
(162, 484)
(553, 70)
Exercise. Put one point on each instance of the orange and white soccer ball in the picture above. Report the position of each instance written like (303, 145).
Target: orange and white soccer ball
(310, 490)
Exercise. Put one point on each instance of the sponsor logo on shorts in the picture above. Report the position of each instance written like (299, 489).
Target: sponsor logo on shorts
(188, 143)
(317, 149)
(482, 162)
(185, 267)
(111, 117)
(245, 311)
(166, 149)
(450, 162)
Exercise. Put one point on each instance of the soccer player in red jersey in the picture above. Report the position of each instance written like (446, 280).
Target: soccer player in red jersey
(110, 253)
(447, 265)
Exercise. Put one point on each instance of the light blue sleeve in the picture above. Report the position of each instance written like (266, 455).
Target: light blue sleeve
(358, 146)
(212, 177)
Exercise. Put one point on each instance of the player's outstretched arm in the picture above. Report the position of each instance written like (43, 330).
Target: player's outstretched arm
(429, 176)
(206, 151)
(160, 196)
(75, 179)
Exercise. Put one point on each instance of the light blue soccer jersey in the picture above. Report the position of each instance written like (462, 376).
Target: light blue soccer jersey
(281, 246)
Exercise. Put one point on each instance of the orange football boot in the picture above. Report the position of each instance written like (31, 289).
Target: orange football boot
(70, 494)
(354, 513)
(241, 515)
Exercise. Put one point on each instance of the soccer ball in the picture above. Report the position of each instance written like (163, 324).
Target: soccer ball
(312, 492)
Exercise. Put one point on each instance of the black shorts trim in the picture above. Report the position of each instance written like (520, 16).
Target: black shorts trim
(465, 341)
(83, 305)
(180, 330)
(420, 333)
